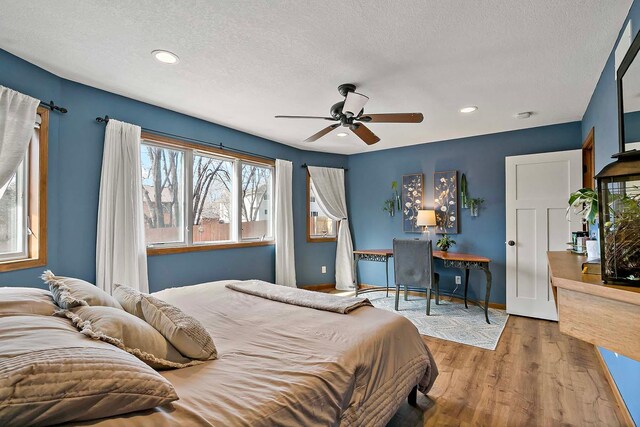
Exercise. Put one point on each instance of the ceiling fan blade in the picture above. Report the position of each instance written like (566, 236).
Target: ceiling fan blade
(323, 132)
(365, 134)
(306, 117)
(392, 118)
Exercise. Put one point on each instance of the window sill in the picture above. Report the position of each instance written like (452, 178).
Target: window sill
(321, 239)
(21, 264)
(197, 248)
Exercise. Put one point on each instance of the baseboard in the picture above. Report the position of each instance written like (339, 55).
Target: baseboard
(622, 407)
(453, 297)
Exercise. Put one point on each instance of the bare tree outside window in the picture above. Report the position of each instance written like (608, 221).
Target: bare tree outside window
(162, 192)
(220, 209)
(256, 201)
(212, 205)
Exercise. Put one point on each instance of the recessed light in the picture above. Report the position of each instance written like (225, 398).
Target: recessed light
(342, 134)
(165, 56)
(524, 115)
(469, 109)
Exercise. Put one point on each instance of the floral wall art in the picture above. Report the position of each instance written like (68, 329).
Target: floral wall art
(412, 194)
(445, 203)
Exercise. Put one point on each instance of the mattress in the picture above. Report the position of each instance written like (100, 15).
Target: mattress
(282, 364)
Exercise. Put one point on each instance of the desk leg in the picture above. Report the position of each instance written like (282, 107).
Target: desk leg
(386, 271)
(487, 272)
(357, 256)
(466, 286)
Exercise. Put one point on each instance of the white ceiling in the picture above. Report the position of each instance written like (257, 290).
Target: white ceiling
(242, 62)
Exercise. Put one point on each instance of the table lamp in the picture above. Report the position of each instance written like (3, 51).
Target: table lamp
(426, 218)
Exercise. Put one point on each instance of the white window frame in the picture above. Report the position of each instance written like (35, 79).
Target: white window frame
(31, 186)
(185, 191)
(189, 151)
(317, 238)
(22, 214)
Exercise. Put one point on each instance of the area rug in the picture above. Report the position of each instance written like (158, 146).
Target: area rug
(449, 320)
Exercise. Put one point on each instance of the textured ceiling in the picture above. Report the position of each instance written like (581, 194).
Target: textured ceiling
(242, 62)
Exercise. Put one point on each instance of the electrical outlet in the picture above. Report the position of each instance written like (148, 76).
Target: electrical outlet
(324, 269)
(458, 280)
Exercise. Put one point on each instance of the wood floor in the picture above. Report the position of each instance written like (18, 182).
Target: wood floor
(535, 377)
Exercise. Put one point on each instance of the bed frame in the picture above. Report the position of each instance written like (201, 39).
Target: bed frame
(413, 396)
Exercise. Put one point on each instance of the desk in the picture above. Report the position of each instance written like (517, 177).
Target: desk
(464, 262)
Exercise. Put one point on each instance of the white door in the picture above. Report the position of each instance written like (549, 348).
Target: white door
(537, 192)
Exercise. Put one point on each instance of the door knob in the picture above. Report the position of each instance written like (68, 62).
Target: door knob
(511, 243)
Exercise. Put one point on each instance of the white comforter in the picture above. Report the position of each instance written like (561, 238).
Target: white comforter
(282, 364)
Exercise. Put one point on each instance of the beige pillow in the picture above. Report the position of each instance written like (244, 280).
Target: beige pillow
(129, 333)
(129, 298)
(69, 292)
(23, 301)
(51, 374)
(183, 331)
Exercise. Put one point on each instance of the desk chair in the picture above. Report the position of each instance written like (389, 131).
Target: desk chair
(413, 268)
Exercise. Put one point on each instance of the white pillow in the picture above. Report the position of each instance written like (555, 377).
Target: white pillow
(183, 331)
(23, 301)
(51, 374)
(129, 333)
(69, 292)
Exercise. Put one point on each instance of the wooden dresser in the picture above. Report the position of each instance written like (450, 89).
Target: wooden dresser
(604, 315)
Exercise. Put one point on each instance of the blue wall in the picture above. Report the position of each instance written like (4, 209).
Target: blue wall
(75, 157)
(602, 115)
(482, 159)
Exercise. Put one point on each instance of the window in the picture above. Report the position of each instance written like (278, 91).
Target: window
(199, 198)
(23, 230)
(256, 188)
(320, 228)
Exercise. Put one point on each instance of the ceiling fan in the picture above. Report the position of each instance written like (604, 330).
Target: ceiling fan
(350, 114)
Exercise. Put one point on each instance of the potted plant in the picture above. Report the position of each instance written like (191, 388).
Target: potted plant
(445, 242)
(474, 206)
(584, 203)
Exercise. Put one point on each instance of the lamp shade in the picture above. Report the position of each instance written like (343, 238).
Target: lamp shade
(426, 218)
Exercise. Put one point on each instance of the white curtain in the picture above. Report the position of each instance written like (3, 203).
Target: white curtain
(17, 117)
(121, 255)
(328, 184)
(285, 255)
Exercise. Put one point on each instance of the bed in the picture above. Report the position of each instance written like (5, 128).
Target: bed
(282, 364)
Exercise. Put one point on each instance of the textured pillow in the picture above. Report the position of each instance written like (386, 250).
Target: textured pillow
(129, 333)
(69, 292)
(51, 374)
(129, 298)
(23, 301)
(183, 331)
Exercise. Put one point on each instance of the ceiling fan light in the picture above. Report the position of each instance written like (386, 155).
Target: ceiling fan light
(354, 103)
(342, 134)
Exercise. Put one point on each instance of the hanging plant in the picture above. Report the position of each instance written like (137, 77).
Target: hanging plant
(389, 206)
(396, 194)
(464, 195)
(474, 206)
(392, 204)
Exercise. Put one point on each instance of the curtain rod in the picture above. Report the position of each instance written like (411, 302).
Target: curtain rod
(53, 107)
(221, 146)
(304, 165)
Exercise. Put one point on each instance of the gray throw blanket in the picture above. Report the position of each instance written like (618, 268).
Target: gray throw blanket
(300, 297)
